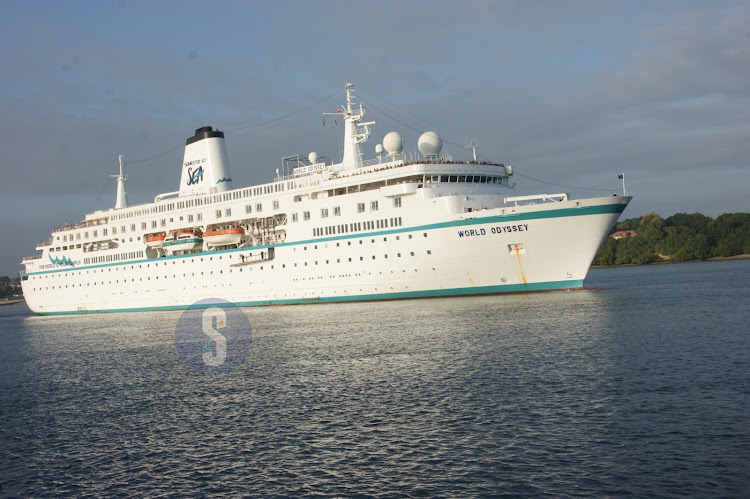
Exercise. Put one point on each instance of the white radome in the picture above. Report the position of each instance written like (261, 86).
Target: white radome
(430, 144)
(313, 157)
(393, 143)
(379, 149)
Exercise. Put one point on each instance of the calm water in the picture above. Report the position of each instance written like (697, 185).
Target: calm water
(641, 387)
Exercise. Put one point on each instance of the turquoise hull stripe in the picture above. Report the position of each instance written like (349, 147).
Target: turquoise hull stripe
(513, 217)
(433, 293)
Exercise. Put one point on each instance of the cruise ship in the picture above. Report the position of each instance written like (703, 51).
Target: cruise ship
(391, 227)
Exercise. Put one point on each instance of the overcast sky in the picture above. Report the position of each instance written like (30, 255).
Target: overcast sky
(571, 93)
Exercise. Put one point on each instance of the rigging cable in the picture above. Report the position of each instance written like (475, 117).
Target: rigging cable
(479, 155)
(229, 130)
(260, 123)
(101, 191)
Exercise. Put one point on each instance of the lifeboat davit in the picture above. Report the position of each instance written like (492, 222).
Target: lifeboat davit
(155, 240)
(220, 237)
(183, 240)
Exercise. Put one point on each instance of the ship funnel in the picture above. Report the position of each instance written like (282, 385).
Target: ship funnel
(205, 167)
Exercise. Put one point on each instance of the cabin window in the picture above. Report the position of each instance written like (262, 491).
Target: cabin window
(306, 215)
(294, 217)
(218, 213)
(337, 211)
(228, 212)
(104, 232)
(360, 207)
(453, 178)
(190, 218)
(163, 223)
(248, 208)
(324, 213)
(374, 206)
(258, 207)
(444, 178)
(96, 233)
(397, 202)
(276, 205)
(199, 216)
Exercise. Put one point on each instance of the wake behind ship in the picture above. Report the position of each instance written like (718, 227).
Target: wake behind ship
(380, 229)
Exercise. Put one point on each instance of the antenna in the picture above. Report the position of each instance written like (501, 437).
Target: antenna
(473, 144)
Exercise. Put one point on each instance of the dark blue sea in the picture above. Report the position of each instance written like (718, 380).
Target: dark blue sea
(639, 386)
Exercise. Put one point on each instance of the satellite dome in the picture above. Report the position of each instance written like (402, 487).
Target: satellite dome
(379, 149)
(393, 143)
(313, 157)
(430, 144)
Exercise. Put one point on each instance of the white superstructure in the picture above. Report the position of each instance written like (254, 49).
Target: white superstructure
(357, 230)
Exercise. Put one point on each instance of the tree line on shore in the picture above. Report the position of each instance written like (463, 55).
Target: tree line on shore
(681, 237)
(9, 287)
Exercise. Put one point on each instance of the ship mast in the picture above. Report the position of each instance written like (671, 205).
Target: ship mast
(355, 132)
(122, 196)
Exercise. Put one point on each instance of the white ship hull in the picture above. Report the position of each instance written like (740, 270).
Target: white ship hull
(464, 256)
(355, 231)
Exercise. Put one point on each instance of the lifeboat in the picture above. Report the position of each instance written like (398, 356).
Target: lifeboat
(221, 237)
(183, 240)
(155, 240)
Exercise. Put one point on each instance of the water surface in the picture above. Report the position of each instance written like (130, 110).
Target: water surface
(639, 387)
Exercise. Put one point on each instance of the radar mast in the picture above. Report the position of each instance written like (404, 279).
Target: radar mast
(355, 132)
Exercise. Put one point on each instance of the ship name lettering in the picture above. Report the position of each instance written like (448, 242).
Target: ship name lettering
(500, 229)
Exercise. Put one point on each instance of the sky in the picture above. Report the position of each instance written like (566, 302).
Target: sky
(571, 93)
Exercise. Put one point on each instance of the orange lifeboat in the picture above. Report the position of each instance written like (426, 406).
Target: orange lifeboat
(155, 240)
(221, 237)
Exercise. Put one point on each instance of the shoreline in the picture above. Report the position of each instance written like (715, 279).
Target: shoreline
(665, 262)
(11, 302)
